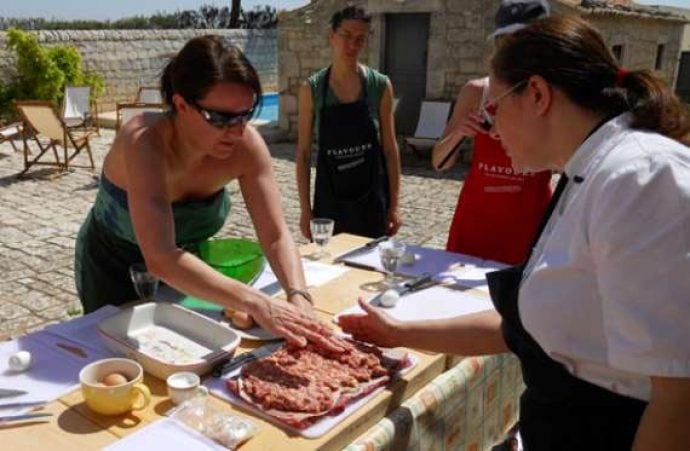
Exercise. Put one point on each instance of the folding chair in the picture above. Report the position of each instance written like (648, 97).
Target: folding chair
(149, 94)
(48, 130)
(126, 111)
(78, 111)
(432, 120)
(10, 132)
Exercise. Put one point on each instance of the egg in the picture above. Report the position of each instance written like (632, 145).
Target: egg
(242, 320)
(20, 361)
(113, 379)
(389, 298)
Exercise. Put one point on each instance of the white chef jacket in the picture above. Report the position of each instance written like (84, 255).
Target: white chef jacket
(607, 289)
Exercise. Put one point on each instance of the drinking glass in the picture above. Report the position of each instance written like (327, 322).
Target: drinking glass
(391, 253)
(145, 283)
(321, 232)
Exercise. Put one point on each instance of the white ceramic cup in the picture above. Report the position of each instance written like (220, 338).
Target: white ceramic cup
(183, 386)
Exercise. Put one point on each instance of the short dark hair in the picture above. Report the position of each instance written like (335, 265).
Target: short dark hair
(349, 13)
(203, 62)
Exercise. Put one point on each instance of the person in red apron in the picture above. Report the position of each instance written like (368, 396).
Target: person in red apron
(358, 165)
(598, 313)
(498, 208)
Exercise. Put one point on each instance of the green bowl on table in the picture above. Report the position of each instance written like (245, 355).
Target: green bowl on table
(242, 260)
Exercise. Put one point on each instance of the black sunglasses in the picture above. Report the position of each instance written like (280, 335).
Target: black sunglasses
(222, 119)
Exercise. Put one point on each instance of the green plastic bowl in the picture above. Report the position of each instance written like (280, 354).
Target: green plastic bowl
(242, 260)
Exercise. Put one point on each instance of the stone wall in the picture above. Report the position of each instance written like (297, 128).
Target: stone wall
(457, 47)
(128, 59)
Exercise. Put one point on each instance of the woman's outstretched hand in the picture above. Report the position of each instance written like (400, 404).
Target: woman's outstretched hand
(295, 324)
(374, 326)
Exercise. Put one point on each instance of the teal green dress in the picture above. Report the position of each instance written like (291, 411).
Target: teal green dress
(106, 244)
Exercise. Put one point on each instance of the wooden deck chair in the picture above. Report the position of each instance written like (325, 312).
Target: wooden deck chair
(78, 110)
(42, 124)
(149, 94)
(10, 132)
(433, 117)
(126, 111)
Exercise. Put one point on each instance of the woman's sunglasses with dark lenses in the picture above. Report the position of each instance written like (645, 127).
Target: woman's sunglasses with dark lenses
(223, 119)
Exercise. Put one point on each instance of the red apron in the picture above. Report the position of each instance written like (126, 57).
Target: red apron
(498, 209)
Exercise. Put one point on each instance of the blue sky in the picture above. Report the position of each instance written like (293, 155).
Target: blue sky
(114, 9)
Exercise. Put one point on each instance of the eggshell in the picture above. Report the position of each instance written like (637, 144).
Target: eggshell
(389, 298)
(114, 379)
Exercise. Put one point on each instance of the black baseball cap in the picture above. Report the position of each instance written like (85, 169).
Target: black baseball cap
(513, 15)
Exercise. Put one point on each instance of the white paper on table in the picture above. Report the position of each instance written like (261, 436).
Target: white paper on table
(316, 273)
(218, 387)
(54, 371)
(437, 302)
(165, 434)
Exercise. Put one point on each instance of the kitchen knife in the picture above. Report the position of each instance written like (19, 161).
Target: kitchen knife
(18, 405)
(24, 416)
(415, 284)
(227, 366)
(9, 393)
(367, 247)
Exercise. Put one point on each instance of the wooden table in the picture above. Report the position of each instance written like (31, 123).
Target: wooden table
(77, 427)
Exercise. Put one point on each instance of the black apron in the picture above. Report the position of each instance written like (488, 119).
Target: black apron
(557, 410)
(351, 178)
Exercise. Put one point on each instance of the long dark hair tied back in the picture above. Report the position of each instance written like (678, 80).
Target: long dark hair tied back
(202, 62)
(571, 54)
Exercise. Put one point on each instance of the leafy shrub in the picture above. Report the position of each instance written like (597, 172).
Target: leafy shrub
(42, 73)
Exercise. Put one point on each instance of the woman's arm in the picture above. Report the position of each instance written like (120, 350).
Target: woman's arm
(461, 124)
(666, 420)
(262, 197)
(475, 334)
(153, 222)
(305, 120)
(390, 150)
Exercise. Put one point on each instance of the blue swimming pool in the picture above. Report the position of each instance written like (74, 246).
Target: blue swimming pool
(269, 107)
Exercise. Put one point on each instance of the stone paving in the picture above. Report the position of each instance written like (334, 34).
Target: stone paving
(41, 214)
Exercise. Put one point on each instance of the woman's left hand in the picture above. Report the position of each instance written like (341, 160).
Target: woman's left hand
(393, 221)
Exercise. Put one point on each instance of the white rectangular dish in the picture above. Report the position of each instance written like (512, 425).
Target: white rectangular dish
(165, 338)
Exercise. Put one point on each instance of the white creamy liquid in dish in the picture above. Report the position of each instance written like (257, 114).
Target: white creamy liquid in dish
(168, 346)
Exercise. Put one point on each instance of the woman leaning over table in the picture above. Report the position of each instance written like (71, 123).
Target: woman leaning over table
(599, 314)
(350, 108)
(163, 187)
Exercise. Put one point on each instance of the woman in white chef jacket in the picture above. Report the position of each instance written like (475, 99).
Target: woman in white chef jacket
(599, 315)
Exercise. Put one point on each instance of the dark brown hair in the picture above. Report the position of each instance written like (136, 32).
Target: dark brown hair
(349, 13)
(203, 62)
(570, 54)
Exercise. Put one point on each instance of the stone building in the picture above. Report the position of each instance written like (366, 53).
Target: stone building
(430, 48)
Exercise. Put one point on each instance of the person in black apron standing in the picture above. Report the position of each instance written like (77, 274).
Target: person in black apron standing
(598, 314)
(357, 177)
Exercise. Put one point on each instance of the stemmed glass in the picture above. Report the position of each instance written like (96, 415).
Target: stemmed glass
(145, 283)
(321, 232)
(391, 253)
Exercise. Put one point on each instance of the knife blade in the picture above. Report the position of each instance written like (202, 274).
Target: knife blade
(366, 247)
(227, 366)
(9, 393)
(24, 416)
(410, 286)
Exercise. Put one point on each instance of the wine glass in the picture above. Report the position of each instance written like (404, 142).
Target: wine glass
(321, 232)
(145, 283)
(391, 253)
